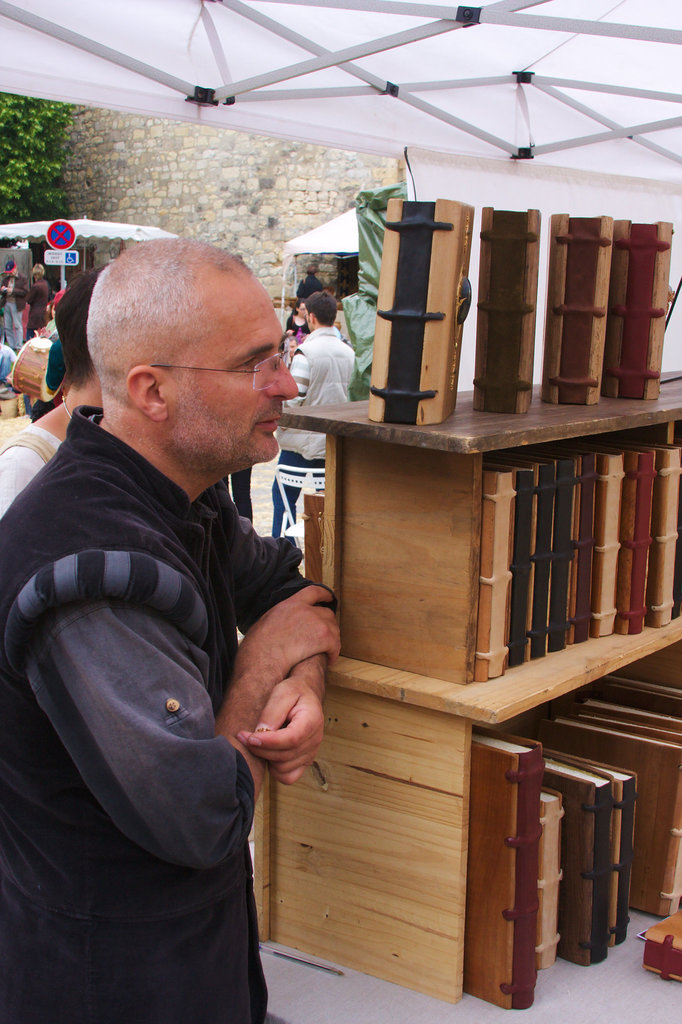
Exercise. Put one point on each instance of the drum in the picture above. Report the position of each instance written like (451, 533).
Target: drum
(28, 372)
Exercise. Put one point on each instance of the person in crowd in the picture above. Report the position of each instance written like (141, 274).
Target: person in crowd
(322, 368)
(27, 451)
(297, 325)
(8, 358)
(37, 299)
(136, 729)
(240, 488)
(13, 292)
(310, 283)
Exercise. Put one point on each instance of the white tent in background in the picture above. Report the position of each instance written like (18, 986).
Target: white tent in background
(85, 229)
(338, 236)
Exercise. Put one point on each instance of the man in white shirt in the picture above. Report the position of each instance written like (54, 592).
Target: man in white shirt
(322, 368)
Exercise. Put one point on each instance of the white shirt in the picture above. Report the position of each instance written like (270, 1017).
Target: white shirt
(18, 465)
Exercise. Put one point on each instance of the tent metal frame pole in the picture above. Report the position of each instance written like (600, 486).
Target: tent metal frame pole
(616, 90)
(602, 119)
(620, 133)
(578, 27)
(334, 58)
(65, 35)
(410, 10)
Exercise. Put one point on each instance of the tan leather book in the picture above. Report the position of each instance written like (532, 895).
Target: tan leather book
(577, 300)
(502, 870)
(656, 880)
(607, 505)
(549, 877)
(424, 295)
(585, 860)
(664, 513)
(494, 592)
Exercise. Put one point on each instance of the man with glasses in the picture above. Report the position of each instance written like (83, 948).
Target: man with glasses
(135, 731)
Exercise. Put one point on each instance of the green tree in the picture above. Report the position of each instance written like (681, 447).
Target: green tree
(33, 137)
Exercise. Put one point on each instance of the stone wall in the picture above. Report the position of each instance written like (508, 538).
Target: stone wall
(246, 193)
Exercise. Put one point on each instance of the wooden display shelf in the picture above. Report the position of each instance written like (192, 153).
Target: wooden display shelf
(363, 862)
(519, 689)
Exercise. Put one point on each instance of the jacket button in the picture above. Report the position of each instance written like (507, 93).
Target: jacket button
(172, 705)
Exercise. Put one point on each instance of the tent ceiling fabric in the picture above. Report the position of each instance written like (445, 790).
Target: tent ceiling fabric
(86, 229)
(591, 84)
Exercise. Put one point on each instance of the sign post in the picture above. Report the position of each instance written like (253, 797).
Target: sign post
(60, 236)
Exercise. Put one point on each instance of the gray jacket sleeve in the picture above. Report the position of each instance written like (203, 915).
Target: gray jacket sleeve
(125, 691)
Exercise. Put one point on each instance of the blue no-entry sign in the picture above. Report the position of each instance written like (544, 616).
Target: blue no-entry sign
(60, 234)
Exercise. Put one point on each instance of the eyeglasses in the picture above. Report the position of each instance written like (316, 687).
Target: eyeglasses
(264, 373)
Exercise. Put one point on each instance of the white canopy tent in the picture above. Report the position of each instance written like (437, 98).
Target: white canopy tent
(594, 84)
(85, 229)
(528, 88)
(338, 236)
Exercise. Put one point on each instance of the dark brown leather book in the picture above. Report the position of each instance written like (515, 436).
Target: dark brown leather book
(585, 860)
(577, 297)
(638, 300)
(635, 540)
(656, 879)
(505, 328)
(665, 700)
(423, 298)
(502, 871)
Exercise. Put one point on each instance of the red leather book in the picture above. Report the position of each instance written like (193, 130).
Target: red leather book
(663, 948)
(638, 296)
(502, 872)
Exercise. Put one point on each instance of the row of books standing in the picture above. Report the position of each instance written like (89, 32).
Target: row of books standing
(579, 539)
(569, 830)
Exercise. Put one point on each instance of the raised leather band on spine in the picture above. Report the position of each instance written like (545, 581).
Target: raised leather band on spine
(664, 957)
(599, 875)
(500, 357)
(637, 311)
(409, 315)
(583, 240)
(521, 566)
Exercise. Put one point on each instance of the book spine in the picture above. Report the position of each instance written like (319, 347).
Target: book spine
(542, 559)
(584, 544)
(549, 857)
(526, 842)
(600, 875)
(580, 259)
(495, 577)
(521, 566)
(505, 329)
(563, 551)
(607, 513)
(635, 540)
(663, 958)
(664, 514)
(626, 806)
(637, 305)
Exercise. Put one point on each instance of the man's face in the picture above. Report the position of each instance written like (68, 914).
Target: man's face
(221, 424)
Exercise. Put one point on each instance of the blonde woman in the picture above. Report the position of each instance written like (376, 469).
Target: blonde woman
(37, 300)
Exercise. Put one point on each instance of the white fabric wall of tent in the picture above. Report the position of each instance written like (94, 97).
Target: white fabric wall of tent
(519, 103)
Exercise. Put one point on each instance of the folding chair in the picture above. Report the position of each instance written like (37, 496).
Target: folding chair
(296, 476)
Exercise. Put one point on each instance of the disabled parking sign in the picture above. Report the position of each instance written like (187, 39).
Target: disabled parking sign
(60, 234)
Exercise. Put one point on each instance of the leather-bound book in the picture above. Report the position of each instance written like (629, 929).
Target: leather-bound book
(502, 871)
(638, 300)
(577, 297)
(624, 795)
(494, 591)
(663, 948)
(664, 518)
(563, 552)
(505, 328)
(635, 540)
(549, 877)
(424, 296)
(665, 700)
(522, 569)
(657, 863)
(580, 591)
(542, 558)
(677, 573)
(585, 860)
(607, 507)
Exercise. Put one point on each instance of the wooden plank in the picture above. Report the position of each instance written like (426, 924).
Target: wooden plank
(261, 858)
(369, 848)
(519, 689)
(468, 431)
(409, 558)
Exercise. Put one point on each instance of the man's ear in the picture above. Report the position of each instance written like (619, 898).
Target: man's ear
(148, 392)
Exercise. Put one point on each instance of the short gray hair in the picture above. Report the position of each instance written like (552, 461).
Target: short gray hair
(144, 307)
